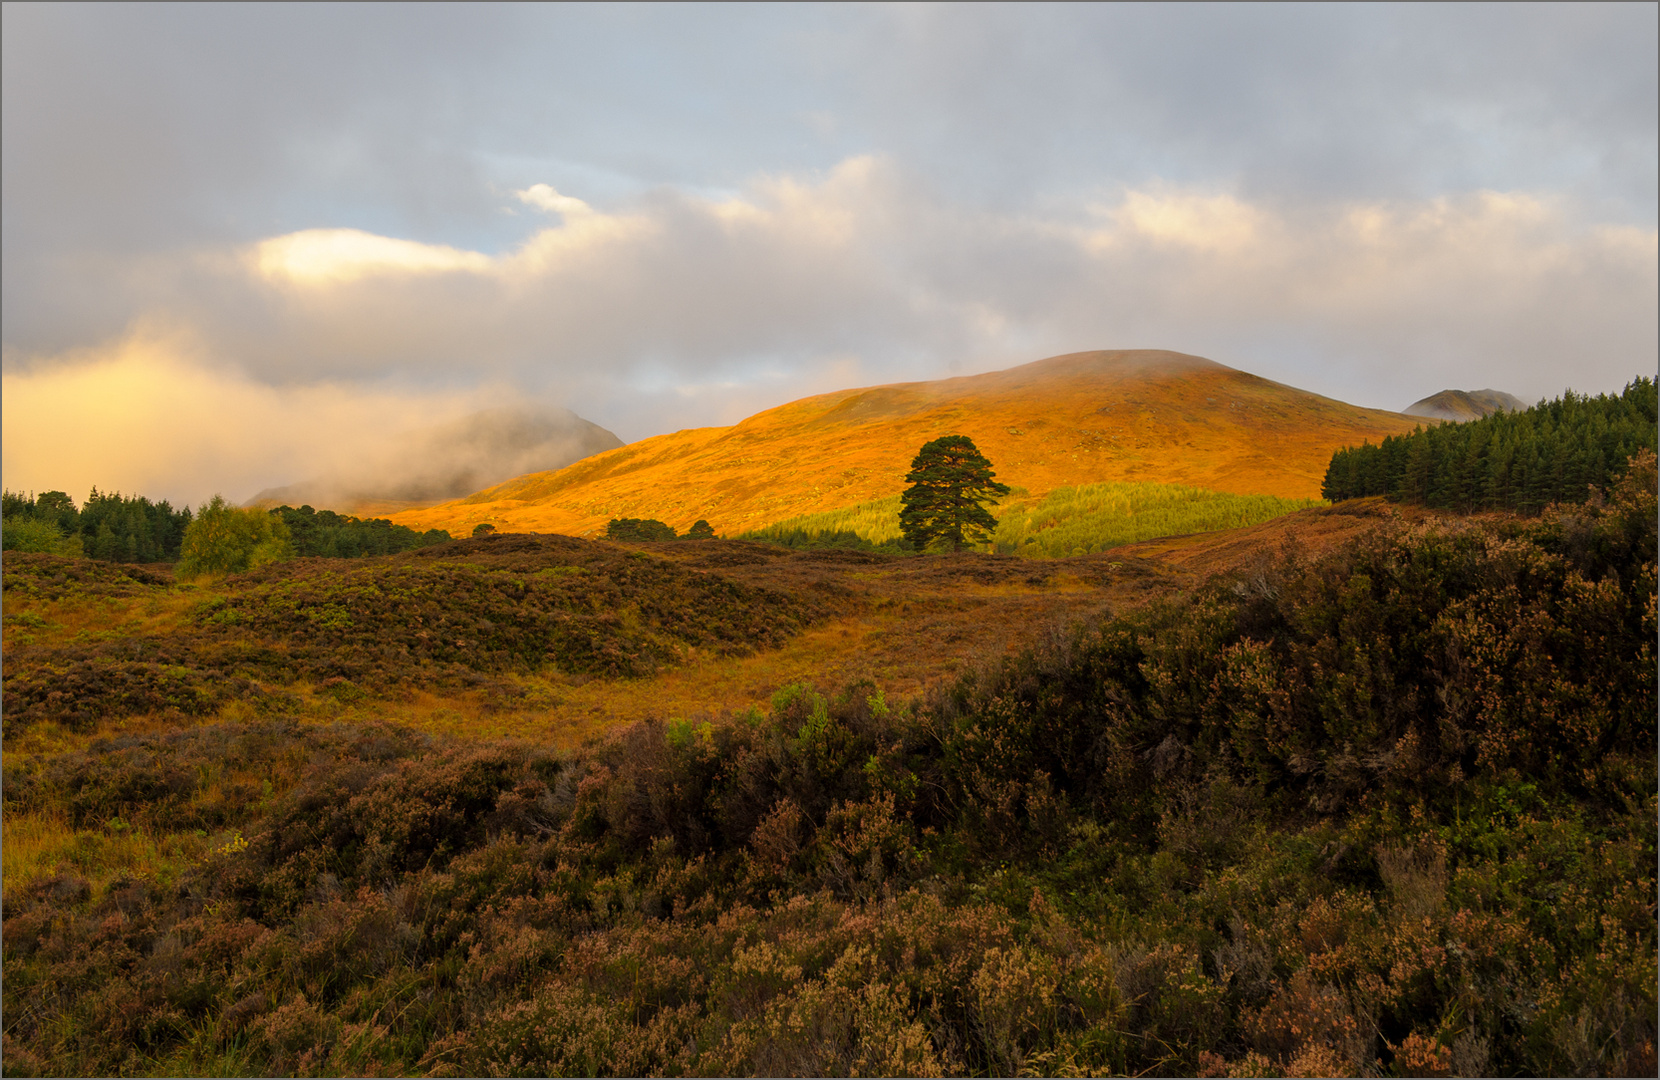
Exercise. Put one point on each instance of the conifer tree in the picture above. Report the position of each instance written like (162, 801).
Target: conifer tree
(949, 479)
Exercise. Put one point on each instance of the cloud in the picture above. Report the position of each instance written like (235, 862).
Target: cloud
(321, 257)
(1375, 300)
(154, 414)
(544, 198)
(315, 348)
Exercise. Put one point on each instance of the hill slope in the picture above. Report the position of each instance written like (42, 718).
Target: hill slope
(1142, 415)
(450, 461)
(1465, 404)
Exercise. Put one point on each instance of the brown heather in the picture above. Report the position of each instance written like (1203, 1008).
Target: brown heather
(1353, 794)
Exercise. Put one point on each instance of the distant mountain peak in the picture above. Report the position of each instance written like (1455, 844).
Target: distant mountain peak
(451, 460)
(1465, 404)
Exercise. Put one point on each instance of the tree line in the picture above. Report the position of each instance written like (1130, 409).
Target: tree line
(326, 534)
(1515, 461)
(132, 529)
(109, 526)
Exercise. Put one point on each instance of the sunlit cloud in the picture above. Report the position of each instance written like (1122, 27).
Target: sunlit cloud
(545, 198)
(156, 414)
(330, 256)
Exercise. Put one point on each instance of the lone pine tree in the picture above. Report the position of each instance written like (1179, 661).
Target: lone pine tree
(949, 480)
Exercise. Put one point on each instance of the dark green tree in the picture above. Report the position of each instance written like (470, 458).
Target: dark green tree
(638, 529)
(949, 479)
(700, 530)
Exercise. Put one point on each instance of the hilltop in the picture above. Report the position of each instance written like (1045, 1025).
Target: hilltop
(1465, 404)
(1134, 415)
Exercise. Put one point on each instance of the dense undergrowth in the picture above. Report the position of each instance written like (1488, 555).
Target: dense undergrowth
(1391, 810)
(456, 614)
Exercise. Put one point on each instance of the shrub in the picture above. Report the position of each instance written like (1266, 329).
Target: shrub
(225, 539)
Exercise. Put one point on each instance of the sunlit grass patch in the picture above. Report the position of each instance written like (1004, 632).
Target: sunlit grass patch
(1069, 520)
(1094, 517)
(35, 845)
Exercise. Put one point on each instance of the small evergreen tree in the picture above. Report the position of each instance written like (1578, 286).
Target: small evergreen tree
(700, 530)
(949, 479)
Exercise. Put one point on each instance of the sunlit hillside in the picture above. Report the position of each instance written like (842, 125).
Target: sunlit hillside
(1141, 415)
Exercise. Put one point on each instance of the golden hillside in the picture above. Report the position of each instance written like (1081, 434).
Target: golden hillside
(1085, 417)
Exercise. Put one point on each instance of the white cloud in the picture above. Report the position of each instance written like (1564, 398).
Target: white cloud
(322, 257)
(545, 198)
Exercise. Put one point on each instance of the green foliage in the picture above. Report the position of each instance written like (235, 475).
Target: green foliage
(112, 527)
(869, 526)
(700, 530)
(949, 479)
(1094, 517)
(21, 533)
(326, 534)
(638, 530)
(1067, 521)
(1521, 461)
(483, 528)
(225, 539)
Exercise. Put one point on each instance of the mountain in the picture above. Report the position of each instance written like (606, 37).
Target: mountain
(1092, 416)
(1465, 404)
(451, 460)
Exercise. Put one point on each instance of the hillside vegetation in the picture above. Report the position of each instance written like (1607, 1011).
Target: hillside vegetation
(108, 526)
(1131, 416)
(1515, 461)
(1387, 806)
(1068, 521)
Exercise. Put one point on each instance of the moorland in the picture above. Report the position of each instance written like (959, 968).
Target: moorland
(1365, 787)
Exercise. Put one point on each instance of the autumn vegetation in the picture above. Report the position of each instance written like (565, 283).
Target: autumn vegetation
(1359, 788)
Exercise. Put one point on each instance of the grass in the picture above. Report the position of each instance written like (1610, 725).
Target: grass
(1079, 520)
(1095, 517)
(35, 845)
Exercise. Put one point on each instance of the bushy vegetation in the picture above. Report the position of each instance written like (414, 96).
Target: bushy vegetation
(1068, 521)
(1387, 810)
(1095, 517)
(110, 526)
(226, 539)
(458, 615)
(1515, 461)
(874, 523)
(326, 534)
(649, 529)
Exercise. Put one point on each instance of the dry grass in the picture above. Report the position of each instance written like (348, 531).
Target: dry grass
(907, 623)
(39, 845)
(1069, 420)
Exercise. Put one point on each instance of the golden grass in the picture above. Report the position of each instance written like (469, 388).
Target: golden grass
(44, 844)
(1138, 416)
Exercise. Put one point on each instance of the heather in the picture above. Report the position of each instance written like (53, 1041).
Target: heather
(1384, 809)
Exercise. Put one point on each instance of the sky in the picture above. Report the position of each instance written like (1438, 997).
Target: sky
(244, 243)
